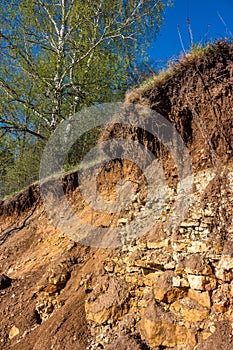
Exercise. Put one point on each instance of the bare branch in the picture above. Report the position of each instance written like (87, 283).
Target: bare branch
(49, 15)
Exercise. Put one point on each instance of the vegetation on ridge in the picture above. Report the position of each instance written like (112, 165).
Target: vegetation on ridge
(196, 52)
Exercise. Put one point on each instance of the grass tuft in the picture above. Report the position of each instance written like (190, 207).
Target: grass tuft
(197, 52)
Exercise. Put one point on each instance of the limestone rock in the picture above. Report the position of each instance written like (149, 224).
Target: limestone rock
(55, 279)
(224, 269)
(196, 265)
(158, 328)
(197, 247)
(109, 305)
(149, 265)
(159, 244)
(109, 265)
(202, 298)
(164, 291)
(222, 298)
(150, 279)
(135, 279)
(181, 246)
(13, 332)
(181, 282)
(200, 282)
(49, 288)
(189, 310)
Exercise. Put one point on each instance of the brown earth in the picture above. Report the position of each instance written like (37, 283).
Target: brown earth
(166, 289)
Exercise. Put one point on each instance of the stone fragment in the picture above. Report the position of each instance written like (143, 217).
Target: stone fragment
(180, 269)
(189, 310)
(179, 281)
(157, 245)
(165, 291)
(181, 246)
(226, 262)
(129, 269)
(13, 332)
(123, 221)
(150, 279)
(224, 275)
(206, 334)
(158, 328)
(150, 265)
(224, 269)
(197, 247)
(195, 265)
(189, 224)
(221, 298)
(134, 279)
(202, 298)
(170, 265)
(110, 305)
(109, 265)
(200, 282)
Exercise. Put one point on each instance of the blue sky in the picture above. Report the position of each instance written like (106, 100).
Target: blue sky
(206, 18)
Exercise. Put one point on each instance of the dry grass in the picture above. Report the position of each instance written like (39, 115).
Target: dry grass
(165, 75)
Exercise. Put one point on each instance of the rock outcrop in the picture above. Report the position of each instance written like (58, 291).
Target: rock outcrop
(165, 289)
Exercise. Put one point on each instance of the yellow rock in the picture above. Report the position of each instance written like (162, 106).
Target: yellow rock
(151, 278)
(158, 328)
(157, 245)
(202, 298)
(98, 317)
(200, 282)
(197, 247)
(189, 310)
(13, 332)
(110, 305)
(179, 247)
(206, 335)
(178, 281)
(164, 289)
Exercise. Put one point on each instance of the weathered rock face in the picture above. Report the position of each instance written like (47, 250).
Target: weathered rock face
(180, 282)
(198, 102)
(166, 289)
(180, 287)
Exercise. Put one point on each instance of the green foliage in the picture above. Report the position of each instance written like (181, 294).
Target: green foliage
(58, 56)
(20, 159)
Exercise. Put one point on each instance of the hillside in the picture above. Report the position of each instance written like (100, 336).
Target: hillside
(169, 288)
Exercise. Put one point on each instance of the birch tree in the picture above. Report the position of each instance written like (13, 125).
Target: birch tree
(59, 55)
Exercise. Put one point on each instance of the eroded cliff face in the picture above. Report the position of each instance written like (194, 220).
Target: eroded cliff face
(177, 287)
(165, 289)
(196, 96)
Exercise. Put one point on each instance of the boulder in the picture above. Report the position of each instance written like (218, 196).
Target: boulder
(159, 328)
